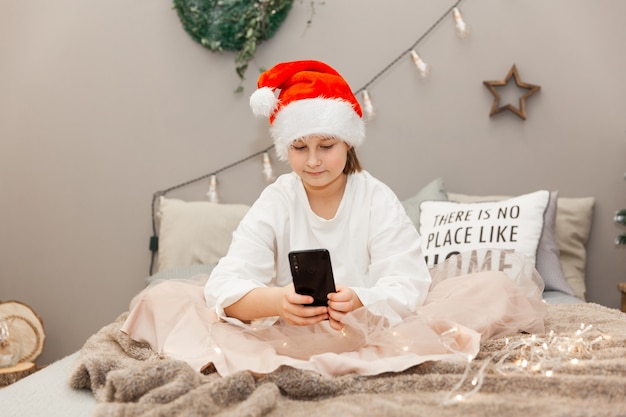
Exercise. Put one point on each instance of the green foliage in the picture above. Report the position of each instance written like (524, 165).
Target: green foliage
(232, 25)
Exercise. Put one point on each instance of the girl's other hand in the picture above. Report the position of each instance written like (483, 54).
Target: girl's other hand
(341, 303)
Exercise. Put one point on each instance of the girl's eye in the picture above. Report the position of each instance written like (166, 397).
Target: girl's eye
(298, 147)
(327, 147)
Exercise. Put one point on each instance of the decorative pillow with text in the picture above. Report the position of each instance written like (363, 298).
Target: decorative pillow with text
(448, 228)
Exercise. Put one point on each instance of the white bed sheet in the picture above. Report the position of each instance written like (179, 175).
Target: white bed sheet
(47, 393)
(557, 297)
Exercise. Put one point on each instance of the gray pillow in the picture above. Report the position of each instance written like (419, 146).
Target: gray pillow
(548, 262)
(196, 272)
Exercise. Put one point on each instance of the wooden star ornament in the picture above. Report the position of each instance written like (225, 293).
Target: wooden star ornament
(493, 87)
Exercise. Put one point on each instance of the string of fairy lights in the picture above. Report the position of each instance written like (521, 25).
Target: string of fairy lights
(530, 355)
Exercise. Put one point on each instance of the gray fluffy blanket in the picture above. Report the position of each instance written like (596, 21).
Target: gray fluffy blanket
(129, 379)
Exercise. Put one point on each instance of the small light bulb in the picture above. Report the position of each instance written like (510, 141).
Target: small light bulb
(212, 193)
(422, 67)
(367, 105)
(461, 27)
(268, 172)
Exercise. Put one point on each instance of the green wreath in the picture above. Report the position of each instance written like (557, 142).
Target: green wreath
(232, 25)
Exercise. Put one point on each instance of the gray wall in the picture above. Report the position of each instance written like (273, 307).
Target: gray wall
(103, 103)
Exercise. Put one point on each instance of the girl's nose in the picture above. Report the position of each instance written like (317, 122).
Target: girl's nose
(313, 160)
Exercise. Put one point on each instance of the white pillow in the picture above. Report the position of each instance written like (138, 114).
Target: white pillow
(195, 232)
(572, 224)
(449, 228)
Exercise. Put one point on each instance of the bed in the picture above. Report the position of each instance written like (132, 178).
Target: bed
(577, 368)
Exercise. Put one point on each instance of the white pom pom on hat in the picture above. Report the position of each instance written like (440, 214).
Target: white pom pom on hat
(313, 99)
(263, 102)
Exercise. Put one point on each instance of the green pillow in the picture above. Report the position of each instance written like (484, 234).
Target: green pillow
(435, 191)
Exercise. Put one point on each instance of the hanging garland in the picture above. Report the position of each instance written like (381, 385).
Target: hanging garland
(232, 25)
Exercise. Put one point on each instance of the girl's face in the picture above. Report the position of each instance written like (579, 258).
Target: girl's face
(318, 160)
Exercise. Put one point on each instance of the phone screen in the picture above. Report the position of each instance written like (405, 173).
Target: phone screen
(312, 274)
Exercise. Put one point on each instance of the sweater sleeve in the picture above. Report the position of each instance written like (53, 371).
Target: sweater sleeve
(250, 261)
(397, 266)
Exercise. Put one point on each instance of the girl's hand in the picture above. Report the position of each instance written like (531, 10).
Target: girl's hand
(341, 303)
(291, 308)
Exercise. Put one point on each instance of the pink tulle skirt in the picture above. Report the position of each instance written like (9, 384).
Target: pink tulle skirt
(460, 311)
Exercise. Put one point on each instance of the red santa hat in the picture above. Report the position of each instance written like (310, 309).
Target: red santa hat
(313, 100)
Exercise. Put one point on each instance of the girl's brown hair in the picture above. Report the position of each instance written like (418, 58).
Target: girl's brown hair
(352, 162)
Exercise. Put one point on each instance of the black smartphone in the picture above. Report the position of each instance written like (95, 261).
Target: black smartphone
(312, 274)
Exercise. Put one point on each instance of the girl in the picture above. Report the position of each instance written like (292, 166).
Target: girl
(381, 317)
